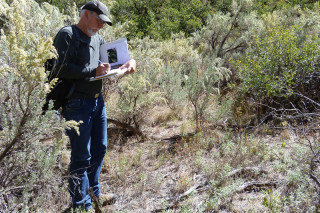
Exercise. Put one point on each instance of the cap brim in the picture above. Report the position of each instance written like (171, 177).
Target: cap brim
(105, 18)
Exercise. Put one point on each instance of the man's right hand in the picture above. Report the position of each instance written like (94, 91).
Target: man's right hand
(103, 68)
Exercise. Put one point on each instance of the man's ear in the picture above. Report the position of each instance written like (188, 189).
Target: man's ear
(86, 14)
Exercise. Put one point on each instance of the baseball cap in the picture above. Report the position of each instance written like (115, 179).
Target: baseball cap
(99, 8)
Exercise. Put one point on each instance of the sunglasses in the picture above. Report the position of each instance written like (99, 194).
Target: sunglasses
(100, 21)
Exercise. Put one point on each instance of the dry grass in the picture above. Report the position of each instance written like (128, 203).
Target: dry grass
(150, 175)
(192, 173)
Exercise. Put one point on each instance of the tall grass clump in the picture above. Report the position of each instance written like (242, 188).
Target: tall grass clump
(29, 179)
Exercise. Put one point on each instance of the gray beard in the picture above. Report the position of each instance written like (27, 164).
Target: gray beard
(91, 32)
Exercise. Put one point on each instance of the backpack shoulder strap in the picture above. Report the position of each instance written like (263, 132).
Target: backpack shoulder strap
(75, 32)
(75, 38)
(75, 42)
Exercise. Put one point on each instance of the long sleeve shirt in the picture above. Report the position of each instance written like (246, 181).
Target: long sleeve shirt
(77, 60)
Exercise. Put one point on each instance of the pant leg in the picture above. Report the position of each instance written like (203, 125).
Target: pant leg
(98, 145)
(80, 110)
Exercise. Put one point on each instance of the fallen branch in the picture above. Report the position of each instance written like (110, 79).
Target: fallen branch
(126, 126)
(5, 191)
(256, 185)
(244, 187)
(194, 189)
(178, 138)
(175, 201)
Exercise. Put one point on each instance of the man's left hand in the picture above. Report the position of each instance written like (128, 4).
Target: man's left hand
(131, 65)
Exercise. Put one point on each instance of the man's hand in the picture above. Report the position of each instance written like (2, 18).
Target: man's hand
(131, 65)
(103, 68)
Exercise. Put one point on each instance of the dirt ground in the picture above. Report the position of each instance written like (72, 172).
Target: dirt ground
(148, 176)
(172, 172)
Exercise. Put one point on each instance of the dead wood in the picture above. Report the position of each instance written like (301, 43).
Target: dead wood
(177, 138)
(95, 201)
(253, 185)
(256, 185)
(314, 178)
(126, 126)
(195, 189)
(175, 201)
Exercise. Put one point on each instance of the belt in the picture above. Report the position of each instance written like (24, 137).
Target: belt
(83, 96)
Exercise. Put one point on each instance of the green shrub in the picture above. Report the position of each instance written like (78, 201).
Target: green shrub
(160, 19)
(201, 85)
(133, 97)
(279, 65)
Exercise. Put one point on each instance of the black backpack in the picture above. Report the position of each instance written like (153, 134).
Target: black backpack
(64, 88)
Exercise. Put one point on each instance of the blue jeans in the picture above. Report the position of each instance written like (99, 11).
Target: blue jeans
(87, 149)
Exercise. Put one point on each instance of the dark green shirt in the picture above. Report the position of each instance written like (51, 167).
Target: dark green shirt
(78, 63)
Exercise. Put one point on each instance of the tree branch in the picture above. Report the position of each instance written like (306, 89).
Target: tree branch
(17, 136)
(314, 179)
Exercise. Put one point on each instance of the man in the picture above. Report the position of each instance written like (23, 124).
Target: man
(78, 60)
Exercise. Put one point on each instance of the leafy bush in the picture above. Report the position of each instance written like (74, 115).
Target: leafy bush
(160, 19)
(280, 65)
(267, 6)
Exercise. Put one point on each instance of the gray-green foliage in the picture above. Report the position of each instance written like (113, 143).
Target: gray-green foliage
(226, 35)
(28, 150)
(160, 77)
(201, 84)
(170, 83)
(300, 191)
(176, 72)
(134, 96)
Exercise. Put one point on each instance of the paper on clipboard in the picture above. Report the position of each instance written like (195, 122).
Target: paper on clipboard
(116, 53)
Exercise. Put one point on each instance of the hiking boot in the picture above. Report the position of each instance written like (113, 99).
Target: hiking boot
(78, 209)
(107, 199)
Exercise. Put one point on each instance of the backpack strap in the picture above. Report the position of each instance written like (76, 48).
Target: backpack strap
(75, 42)
(76, 39)
(64, 88)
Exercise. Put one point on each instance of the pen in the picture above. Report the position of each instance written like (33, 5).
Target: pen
(99, 61)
